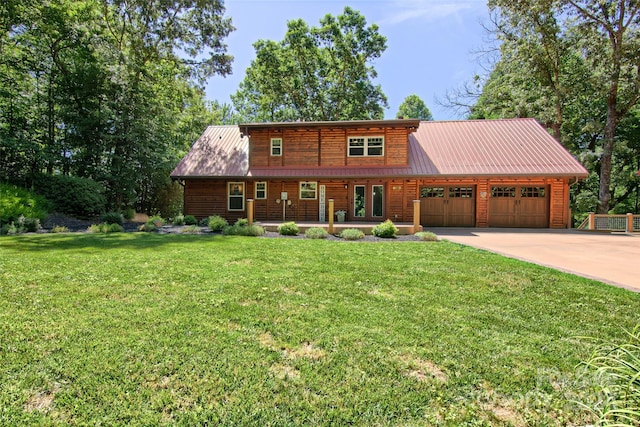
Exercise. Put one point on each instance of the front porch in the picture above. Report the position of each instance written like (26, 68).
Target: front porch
(404, 228)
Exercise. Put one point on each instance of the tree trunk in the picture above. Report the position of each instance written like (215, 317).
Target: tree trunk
(604, 195)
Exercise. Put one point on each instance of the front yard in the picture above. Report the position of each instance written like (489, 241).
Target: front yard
(146, 329)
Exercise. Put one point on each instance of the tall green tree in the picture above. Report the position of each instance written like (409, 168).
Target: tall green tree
(315, 73)
(413, 107)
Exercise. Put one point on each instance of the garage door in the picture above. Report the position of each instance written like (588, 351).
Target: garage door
(447, 206)
(519, 206)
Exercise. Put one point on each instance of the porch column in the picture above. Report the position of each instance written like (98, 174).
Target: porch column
(416, 216)
(629, 223)
(250, 211)
(592, 221)
(330, 216)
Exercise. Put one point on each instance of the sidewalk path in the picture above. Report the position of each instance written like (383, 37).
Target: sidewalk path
(612, 258)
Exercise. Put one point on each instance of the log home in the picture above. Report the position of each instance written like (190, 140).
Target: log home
(475, 173)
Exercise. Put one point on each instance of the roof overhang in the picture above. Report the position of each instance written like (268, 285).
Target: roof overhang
(344, 124)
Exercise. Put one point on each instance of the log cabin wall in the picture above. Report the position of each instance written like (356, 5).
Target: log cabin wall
(325, 146)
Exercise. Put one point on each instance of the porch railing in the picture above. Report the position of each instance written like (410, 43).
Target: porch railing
(605, 222)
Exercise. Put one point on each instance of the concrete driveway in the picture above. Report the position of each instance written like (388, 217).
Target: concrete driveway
(612, 258)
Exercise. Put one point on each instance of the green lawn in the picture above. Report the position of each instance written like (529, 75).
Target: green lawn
(144, 329)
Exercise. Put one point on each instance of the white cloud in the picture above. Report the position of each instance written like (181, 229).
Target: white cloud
(429, 10)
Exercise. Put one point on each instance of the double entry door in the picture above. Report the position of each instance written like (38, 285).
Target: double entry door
(367, 202)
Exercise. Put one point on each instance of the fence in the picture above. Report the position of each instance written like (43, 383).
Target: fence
(605, 222)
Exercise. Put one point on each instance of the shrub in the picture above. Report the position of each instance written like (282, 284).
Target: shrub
(129, 214)
(178, 220)
(105, 228)
(8, 229)
(288, 229)
(242, 222)
(216, 223)
(112, 218)
(316, 233)
(190, 220)
(352, 234)
(149, 227)
(191, 229)
(28, 225)
(81, 197)
(157, 220)
(243, 230)
(16, 201)
(59, 229)
(385, 229)
(426, 236)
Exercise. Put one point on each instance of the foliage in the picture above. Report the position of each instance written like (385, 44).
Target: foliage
(216, 223)
(288, 229)
(413, 107)
(316, 233)
(352, 234)
(191, 229)
(29, 225)
(8, 229)
(243, 230)
(72, 195)
(108, 90)
(427, 236)
(157, 220)
(616, 369)
(16, 202)
(59, 229)
(105, 228)
(317, 73)
(112, 218)
(241, 222)
(286, 316)
(178, 220)
(386, 229)
(190, 220)
(128, 214)
(148, 227)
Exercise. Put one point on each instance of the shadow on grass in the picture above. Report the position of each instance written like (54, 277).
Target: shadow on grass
(83, 241)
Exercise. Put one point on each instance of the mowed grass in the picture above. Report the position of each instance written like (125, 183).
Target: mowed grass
(141, 329)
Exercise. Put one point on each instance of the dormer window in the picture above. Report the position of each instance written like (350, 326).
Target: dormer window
(276, 146)
(366, 146)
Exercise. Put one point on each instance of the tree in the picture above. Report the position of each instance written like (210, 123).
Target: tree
(605, 36)
(317, 73)
(414, 108)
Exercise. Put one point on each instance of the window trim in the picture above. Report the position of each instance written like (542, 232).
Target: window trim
(256, 190)
(365, 146)
(229, 195)
(279, 140)
(315, 183)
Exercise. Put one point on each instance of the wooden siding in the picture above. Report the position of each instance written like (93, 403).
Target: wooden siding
(203, 198)
(325, 147)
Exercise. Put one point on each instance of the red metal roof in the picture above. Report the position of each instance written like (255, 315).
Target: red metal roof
(509, 147)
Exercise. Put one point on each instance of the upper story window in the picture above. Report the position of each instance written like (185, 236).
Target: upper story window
(276, 146)
(366, 146)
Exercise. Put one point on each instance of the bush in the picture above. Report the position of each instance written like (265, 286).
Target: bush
(190, 220)
(105, 228)
(288, 229)
(242, 222)
(385, 229)
(426, 236)
(216, 223)
(112, 218)
(129, 214)
(243, 230)
(28, 225)
(191, 229)
(156, 220)
(149, 227)
(59, 229)
(72, 195)
(16, 201)
(352, 234)
(8, 229)
(316, 233)
(178, 220)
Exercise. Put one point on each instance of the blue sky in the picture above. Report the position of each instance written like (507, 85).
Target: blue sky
(430, 43)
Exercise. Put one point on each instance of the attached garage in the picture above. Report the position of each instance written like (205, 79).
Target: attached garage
(447, 206)
(519, 206)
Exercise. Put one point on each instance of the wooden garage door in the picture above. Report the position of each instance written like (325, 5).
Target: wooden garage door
(447, 206)
(519, 206)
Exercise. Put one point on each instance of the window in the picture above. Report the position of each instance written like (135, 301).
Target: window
(308, 190)
(461, 192)
(430, 192)
(236, 196)
(261, 190)
(537, 192)
(503, 191)
(276, 146)
(366, 146)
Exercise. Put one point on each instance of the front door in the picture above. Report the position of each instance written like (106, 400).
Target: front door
(368, 202)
